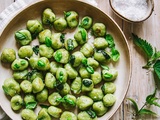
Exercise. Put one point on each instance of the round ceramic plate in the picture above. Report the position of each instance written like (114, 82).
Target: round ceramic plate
(34, 11)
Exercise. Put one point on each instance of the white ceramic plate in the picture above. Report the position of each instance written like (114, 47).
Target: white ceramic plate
(34, 11)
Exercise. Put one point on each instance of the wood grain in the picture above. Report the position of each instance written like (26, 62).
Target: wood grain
(142, 81)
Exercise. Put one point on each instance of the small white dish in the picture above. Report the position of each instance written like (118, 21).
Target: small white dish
(150, 9)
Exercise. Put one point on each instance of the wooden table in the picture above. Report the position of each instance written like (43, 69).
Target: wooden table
(142, 81)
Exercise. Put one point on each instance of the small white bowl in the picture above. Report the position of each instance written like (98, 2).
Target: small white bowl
(147, 15)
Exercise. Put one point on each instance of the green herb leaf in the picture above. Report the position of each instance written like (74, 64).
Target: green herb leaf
(108, 75)
(86, 82)
(44, 106)
(58, 56)
(41, 63)
(29, 74)
(91, 113)
(72, 59)
(70, 44)
(20, 36)
(144, 45)
(69, 101)
(156, 68)
(59, 85)
(90, 69)
(115, 55)
(134, 104)
(31, 105)
(85, 21)
(66, 14)
(36, 49)
(16, 66)
(61, 76)
(62, 37)
(145, 111)
(60, 100)
(105, 67)
(110, 40)
(5, 90)
(83, 34)
(84, 62)
(104, 54)
(48, 42)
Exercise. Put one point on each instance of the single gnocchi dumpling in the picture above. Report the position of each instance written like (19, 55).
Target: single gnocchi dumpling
(66, 115)
(92, 62)
(42, 96)
(86, 22)
(60, 24)
(100, 43)
(29, 99)
(72, 18)
(84, 73)
(61, 56)
(87, 85)
(44, 115)
(84, 102)
(76, 85)
(96, 77)
(70, 101)
(109, 75)
(43, 35)
(96, 94)
(11, 87)
(87, 50)
(28, 114)
(99, 108)
(26, 86)
(55, 111)
(99, 29)
(48, 16)
(19, 64)
(37, 85)
(8, 55)
(23, 37)
(81, 36)
(102, 56)
(35, 27)
(57, 40)
(109, 100)
(25, 51)
(50, 80)
(43, 64)
(16, 102)
(46, 51)
(65, 90)
(84, 115)
(72, 73)
(76, 59)
(33, 62)
(108, 88)
(52, 99)
(20, 75)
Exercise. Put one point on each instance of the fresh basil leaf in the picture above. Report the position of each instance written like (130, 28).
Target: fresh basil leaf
(83, 34)
(20, 36)
(62, 37)
(36, 49)
(48, 42)
(29, 74)
(144, 45)
(67, 14)
(156, 68)
(134, 104)
(60, 100)
(104, 54)
(5, 90)
(91, 113)
(145, 111)
(44, 106)
(110, 40)
(58, 56)
(31, 105)
(86, 82)
(150, 98)
(115, 55)
(69, 101)
(72, 59)
(105, 67)
(84, 62)
(85, 21)
(61, 76)
(90, 69)
(41, 63)
(108, 75)
(59, 85)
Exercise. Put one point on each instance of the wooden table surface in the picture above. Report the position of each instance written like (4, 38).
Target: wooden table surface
(142, 81)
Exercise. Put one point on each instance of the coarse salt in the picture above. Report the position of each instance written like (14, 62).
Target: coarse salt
(131, 9)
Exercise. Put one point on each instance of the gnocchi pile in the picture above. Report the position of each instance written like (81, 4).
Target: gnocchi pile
(62, 74)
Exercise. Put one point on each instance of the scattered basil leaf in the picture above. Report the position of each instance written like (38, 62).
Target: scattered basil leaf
(115, 55)
(144, 45)
(105, 67)
(69, 101)
(83, 34)
(91, 113)
(58, 56)
(66, 14)
(59, 85)
(31, 105)
(36, 49)
(156, 68)
(20, 36)
(90, 69)
(84, 62)
(145, 111)
(62, 37)
(61, 76)
(104, 54)
(72, 59)
(110, 40)
(108, 75)
(48, 42)
(134, 104)
(44, 106)
(5, 90)
(85, 21)
(16, 66)
(86, 82)
(40, 63)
